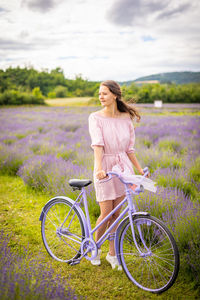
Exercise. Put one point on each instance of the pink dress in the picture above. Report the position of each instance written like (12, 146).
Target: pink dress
(117, 137)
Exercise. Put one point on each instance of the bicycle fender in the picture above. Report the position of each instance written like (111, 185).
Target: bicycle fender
(72, 202)
(119, 228)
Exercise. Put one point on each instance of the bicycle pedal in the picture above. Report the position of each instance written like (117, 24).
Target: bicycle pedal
(74, 262)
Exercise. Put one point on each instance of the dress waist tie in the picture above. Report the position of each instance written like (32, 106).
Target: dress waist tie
(118, 157)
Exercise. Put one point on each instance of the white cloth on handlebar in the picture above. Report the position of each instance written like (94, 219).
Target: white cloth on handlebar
(147, 183)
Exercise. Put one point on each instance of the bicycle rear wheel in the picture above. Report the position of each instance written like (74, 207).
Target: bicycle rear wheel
(156, 269)
(62, 230)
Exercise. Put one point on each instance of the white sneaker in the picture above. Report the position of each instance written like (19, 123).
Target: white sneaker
(96, 261)
(114, 262)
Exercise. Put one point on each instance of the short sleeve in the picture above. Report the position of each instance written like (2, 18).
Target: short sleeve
(132, 138)
(95, 131)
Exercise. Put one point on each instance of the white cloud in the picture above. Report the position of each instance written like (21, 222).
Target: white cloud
(40, 5)
(101, 41)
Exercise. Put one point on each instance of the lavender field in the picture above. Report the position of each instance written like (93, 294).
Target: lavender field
(46, 146)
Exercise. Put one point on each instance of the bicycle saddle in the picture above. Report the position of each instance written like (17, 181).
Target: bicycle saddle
(79, 183)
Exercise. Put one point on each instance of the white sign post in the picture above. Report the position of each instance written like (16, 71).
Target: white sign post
(158, 103)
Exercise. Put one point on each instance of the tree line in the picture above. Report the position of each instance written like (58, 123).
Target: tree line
(168, 93)
(29, 86)
(51, 84)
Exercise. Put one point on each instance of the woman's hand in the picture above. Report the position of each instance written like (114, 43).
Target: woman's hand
(100, 174)
(142, 173)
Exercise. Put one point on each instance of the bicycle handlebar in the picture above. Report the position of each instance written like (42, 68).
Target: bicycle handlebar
(111, 174)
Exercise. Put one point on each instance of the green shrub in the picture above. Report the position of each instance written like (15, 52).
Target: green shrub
(61, 91)
(10, 161)
(154, 159)
(9, 141)
(194, 171)
(67, 154)
(171, 145)
(178, 179)
(37, 93)
(51, 95)
(20, 136)
(144, 141)
(13, 97)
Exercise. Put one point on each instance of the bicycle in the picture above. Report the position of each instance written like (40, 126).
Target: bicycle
(144, 246)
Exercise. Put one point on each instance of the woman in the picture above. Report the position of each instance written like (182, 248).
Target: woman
(112, 135)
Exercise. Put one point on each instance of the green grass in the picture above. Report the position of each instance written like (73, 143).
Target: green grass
(78, 101)
(20, 209)
(167, 112)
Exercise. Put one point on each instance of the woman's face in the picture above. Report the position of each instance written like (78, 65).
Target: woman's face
(105, 96)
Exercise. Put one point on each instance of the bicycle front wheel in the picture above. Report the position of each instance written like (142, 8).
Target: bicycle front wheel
(62, 230)
(154, 267)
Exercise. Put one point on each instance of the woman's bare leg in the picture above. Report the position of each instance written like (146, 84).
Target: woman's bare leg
(114, 217)
(105, 207)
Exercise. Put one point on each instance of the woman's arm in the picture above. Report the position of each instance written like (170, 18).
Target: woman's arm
(135, 162)
(98, 154)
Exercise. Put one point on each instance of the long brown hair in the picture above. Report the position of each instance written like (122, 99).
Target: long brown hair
(114, 88)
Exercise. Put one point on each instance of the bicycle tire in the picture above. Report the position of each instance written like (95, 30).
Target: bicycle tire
(58, 240)
(157, 271)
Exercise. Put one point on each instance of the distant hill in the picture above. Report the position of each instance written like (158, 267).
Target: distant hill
(173, 77)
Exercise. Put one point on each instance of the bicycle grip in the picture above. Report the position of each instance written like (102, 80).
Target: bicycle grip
(139, 189)
(146, 171)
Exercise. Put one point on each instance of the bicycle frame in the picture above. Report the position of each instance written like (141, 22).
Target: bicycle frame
(144, 246)
(130, 209)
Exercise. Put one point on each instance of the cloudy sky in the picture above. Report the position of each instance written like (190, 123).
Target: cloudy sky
(101, 39)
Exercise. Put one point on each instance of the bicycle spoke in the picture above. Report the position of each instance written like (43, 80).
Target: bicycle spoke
(161, 275)
(51, 221)
(150, 269)
(131, 254)
(69, 245)
(164, 260)
(160, 241)
(161, 266)
(166, 250)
